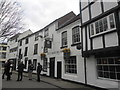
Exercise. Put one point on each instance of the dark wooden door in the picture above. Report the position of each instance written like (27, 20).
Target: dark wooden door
(52, 67)
(59, 70)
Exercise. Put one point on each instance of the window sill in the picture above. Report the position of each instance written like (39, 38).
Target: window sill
(75, 44)
(108, 79)
(63, 47)
(105, 32)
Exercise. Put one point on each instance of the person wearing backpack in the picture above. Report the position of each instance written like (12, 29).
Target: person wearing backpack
(30, 70)
(20, 68)
(39, 69)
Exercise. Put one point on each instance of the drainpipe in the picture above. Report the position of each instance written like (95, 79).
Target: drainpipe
(85, 70)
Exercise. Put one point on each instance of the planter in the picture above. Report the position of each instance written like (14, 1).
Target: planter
(66, 53)
(43, 55)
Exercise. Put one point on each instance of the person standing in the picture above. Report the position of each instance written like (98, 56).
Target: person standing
(39, 69)
(30, 70)
(4, 72)
(20, 68)
(8, 69)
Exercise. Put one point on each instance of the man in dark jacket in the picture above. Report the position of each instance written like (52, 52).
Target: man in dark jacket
(7, 69)
(39, 69)
(20, 68)
(4, 72)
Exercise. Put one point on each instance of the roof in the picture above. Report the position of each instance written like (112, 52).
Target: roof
(60, 21)
(70, 21)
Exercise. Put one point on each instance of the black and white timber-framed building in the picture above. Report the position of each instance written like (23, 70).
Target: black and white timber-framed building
(100, 26)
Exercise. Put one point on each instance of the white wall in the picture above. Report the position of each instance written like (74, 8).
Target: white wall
(96, 9)
(108, 5)
(79, 77)
(111, 39)
(97, 42)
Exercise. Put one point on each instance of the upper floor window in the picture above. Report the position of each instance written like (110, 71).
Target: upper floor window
(36, 36)
(35, 48)
(20, 42)
(26, 41)
(46, 33)
(105, 24)
(26, 50)
(4, 48)
(75, 34)
(64, 38)
(112, 22)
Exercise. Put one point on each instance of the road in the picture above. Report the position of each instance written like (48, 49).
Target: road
(26, 83)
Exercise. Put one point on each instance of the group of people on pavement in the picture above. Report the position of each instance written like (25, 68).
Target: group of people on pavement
(7, 70)
(20, 69)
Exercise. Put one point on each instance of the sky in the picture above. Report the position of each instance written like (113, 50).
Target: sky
(39, 13)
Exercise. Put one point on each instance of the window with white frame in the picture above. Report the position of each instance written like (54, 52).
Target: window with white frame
(35, 48)
(108, 68)
(92, 29)
(36, 36)
(34, 64)
(75, 34)
(45, 64)
(71, 65)
(46, 33)
(105, 24)
(112, 22)
(64, 38)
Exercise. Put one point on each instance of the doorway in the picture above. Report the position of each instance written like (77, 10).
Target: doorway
(59, 70)
(52, 67)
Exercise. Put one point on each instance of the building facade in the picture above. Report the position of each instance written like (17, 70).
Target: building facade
(100, 25)
(3, 50)
(35, 45)
(12, 50)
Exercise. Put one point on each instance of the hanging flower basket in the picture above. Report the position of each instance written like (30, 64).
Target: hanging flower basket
(43, 55)
(66, 52)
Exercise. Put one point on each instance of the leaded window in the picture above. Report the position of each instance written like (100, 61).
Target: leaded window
(71, 65)
(108, 68)
(105, 24)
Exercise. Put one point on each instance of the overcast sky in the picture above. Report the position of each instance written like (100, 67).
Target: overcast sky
(39, 13)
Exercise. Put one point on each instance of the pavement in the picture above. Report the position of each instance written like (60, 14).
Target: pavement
(60, 83)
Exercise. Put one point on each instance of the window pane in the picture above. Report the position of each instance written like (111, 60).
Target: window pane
(98, 61)
(118, 76)
(92, 29)
(105, 68)
(105, 24)
(97, 28)
(117, 61)
(112, 75)
(112, 68)
(101, 25)
(99, 67)
(111, 61)
(112, 23)
(100, 74)
(117, 68)
(106, 74)
(104, 61)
